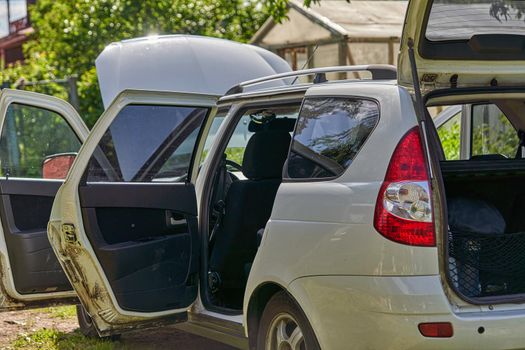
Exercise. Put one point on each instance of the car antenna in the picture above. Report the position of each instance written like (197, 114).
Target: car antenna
(306, 63)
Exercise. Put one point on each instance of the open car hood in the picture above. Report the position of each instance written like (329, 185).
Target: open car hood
(182, 63)
(460, 43)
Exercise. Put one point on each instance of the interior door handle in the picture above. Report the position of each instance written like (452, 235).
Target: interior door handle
(174, 219)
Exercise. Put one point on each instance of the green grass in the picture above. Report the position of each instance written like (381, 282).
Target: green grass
(51, 339)
(62, 312)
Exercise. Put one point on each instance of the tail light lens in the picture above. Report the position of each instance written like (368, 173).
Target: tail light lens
(404, 207)
(436, 329)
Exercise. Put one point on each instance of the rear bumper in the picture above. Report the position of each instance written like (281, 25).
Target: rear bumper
(384, 312)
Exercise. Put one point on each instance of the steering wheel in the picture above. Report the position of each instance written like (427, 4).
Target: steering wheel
(234, 165)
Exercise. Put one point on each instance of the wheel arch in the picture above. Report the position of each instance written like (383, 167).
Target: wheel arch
(258, 300)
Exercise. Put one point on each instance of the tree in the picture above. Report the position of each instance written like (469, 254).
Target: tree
(69, 35)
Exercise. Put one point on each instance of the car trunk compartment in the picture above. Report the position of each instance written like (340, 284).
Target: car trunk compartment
(486, 233)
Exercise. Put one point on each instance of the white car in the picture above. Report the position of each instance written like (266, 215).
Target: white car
(347, 219)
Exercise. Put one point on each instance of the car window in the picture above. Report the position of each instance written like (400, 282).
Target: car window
(329, 134)
(30, 135)
(258, 118)
(450, 136)
(148, 143)
(492, 133)
(460, 19)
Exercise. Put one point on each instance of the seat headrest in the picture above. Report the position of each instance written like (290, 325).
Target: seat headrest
(265, 154)
(286, 124)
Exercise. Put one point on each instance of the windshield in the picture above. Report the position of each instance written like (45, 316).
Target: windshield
(462, 19)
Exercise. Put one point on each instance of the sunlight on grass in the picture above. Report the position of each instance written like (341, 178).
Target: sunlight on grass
(51, 339)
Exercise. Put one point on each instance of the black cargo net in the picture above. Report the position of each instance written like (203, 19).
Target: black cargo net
(487, 265)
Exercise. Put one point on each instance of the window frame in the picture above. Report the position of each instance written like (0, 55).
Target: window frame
(288, 179)
(236, 110)
(79, 137)
(209, 112)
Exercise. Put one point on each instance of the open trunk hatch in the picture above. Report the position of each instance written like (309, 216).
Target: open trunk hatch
(461, 43)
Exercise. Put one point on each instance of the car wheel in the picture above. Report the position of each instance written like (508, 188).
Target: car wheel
(284, 326)
(87, 328)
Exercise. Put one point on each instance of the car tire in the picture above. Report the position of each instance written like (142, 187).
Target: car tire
(87, 328)
(284, 325)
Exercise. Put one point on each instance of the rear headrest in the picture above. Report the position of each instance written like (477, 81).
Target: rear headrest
(285, 124)
(265, 154)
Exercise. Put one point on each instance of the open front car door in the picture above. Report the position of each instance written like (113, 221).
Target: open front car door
(124, 224)
(39, 139)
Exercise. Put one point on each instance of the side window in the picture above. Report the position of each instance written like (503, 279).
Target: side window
(32, 136)
(329, 134)
(492, 133)
(259, 119)
(146, 143)
(450, 136)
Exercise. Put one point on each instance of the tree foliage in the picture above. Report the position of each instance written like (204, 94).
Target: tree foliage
(69, 35)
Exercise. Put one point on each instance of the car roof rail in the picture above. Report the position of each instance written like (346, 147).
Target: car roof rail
(378, 71)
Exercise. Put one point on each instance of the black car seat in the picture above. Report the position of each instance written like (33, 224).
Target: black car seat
(248, 207)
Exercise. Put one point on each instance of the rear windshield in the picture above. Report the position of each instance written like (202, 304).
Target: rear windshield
(462, 19)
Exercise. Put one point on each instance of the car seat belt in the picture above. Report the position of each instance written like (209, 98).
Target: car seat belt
(220, 205)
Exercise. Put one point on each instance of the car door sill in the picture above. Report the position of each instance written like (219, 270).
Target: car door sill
(228, 332)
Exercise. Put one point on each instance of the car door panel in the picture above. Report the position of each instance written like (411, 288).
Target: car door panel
(124, 224)
(144, 242)
(25, 207)
(33, 128)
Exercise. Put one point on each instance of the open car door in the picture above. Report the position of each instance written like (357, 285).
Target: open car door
(40, 136)
(124, 224)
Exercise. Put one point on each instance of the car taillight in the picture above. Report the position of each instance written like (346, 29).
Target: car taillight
(403, 210)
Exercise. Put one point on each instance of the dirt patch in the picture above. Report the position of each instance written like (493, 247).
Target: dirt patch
(26, 328)
(14, 324)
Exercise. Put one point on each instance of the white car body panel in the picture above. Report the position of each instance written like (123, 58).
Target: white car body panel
(324, 225)
(383, 313)
(184, 63)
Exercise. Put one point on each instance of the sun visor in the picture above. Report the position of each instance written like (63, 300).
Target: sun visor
(182, 63)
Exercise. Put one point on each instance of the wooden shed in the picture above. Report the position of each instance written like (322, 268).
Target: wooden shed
(336, 32)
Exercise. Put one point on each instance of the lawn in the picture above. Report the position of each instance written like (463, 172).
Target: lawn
(52, 339)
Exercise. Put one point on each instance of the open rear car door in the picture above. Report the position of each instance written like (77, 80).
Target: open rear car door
(40, 137)
(124, 224)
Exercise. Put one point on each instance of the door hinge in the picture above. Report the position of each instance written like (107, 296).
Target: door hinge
(69, 232)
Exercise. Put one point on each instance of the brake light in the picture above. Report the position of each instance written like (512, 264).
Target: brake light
(403, 210)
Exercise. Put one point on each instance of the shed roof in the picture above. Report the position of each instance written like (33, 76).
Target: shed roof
(335, 18)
